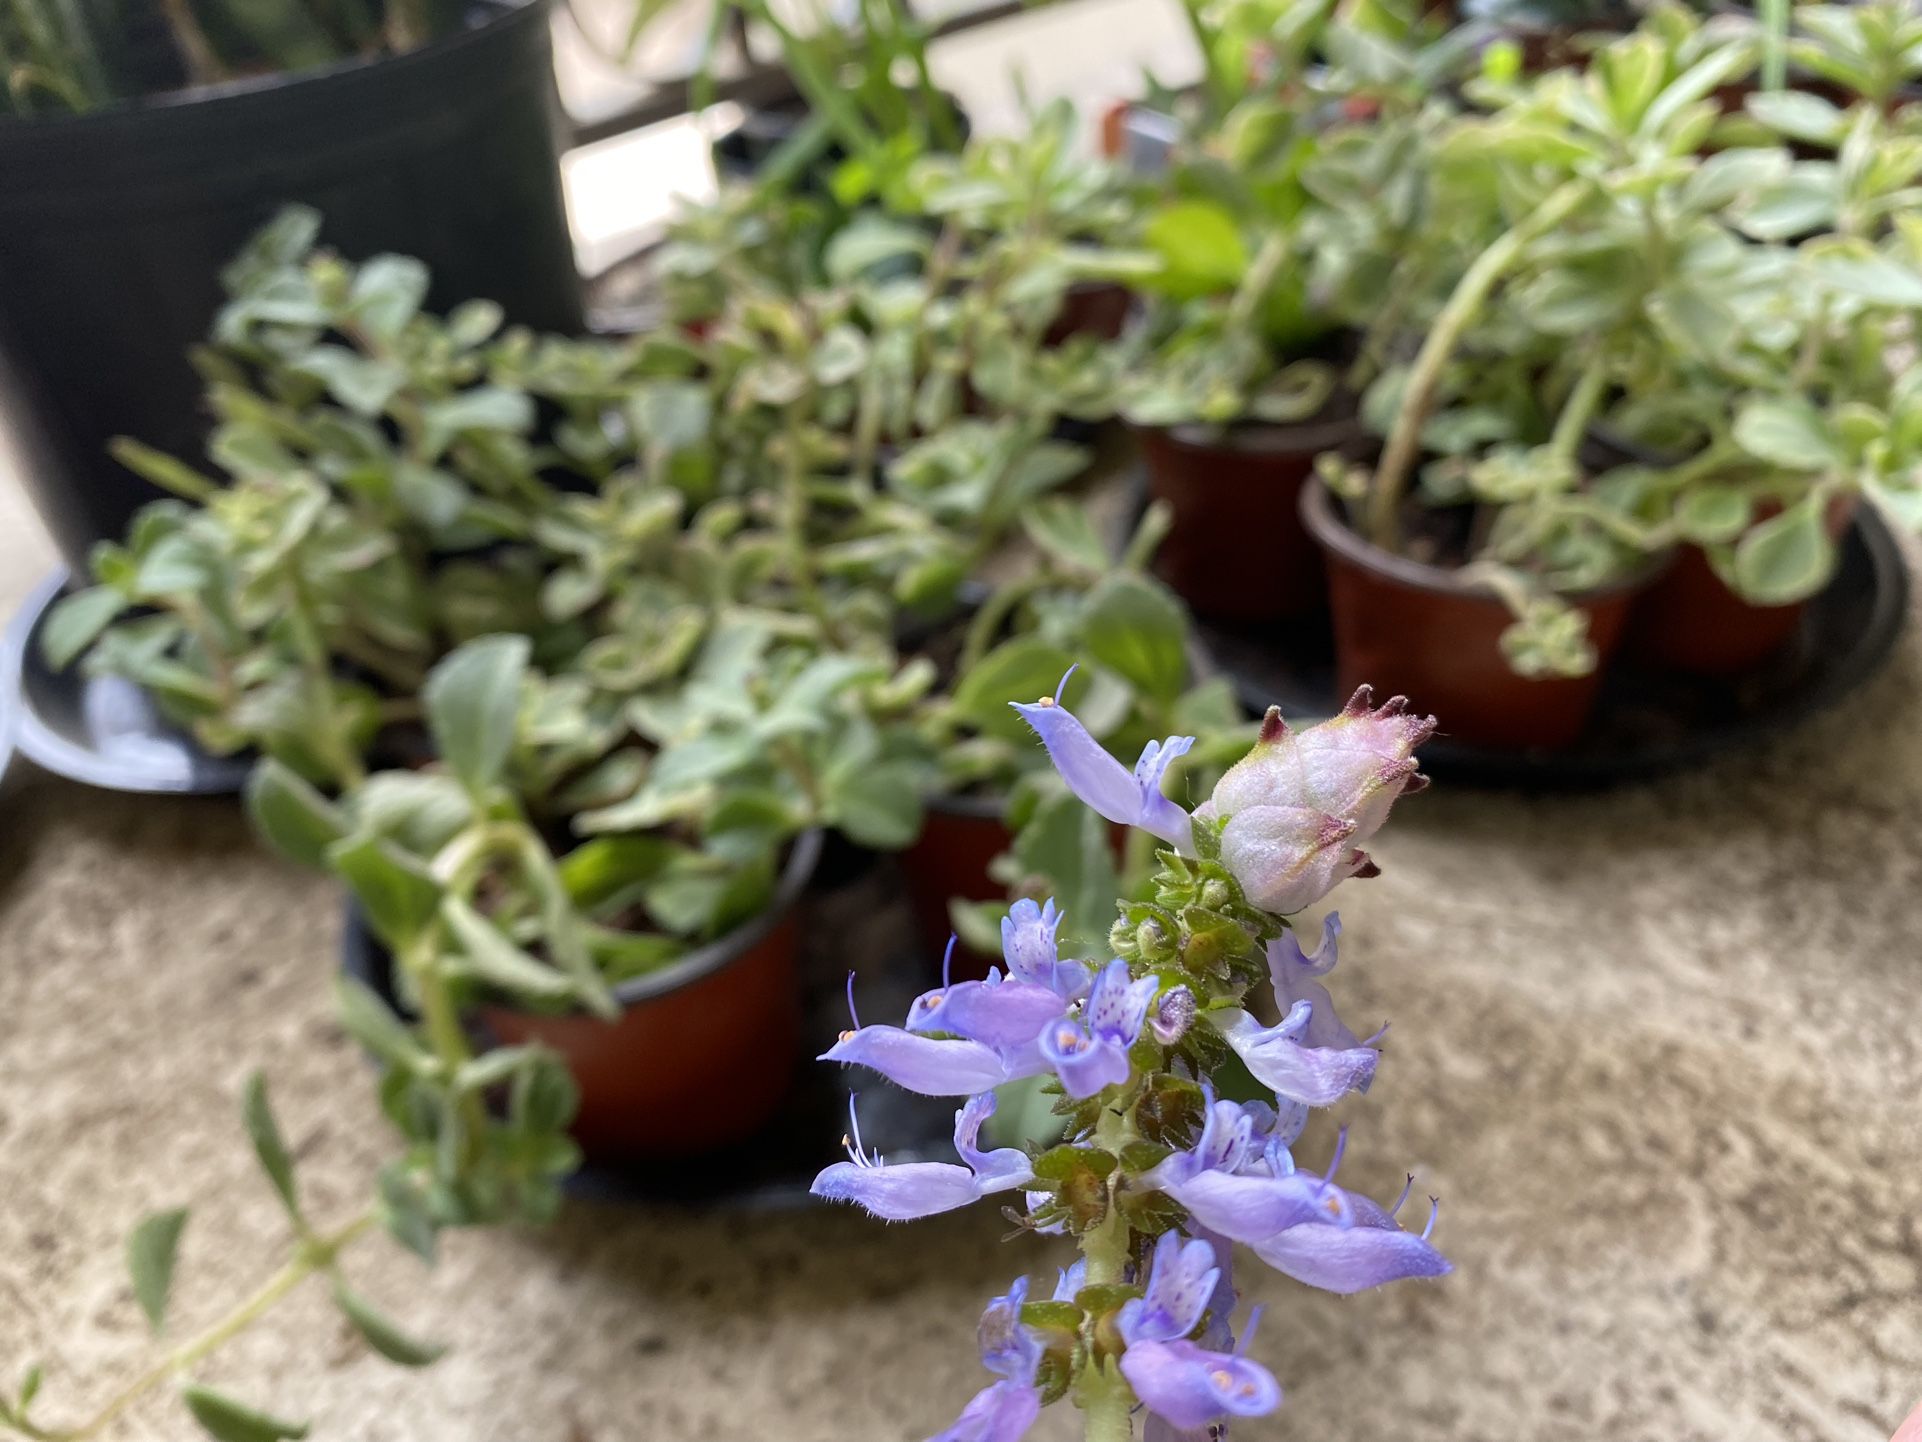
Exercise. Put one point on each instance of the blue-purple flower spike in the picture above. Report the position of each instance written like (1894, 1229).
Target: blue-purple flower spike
(1158, 1179)
(1109, 788)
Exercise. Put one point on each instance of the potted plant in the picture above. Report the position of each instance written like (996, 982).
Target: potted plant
(134, 164)
(1288, 248)
(1607, 251)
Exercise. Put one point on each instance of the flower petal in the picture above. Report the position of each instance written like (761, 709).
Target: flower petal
(1118, 1005)
(994, 1171)
(1004, 1015)
(1189, 1386)
(1109, 788)
(1248, 1208)
(1181, 1280)
(1350, 1259)
(1028, 941)
(1008, 1348)
(901, 1193)
(1085, 1064)
(1319, 1076)
(934, 1067)
(1001, 1413)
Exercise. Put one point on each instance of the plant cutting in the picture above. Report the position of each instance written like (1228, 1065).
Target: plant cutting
(1161, 1175)
(132, 138)
(1287, 243)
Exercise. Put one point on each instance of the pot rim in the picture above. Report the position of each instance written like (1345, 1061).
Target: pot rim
(802, 857)
(1335, 535)
(495, 14)
(1258, 437)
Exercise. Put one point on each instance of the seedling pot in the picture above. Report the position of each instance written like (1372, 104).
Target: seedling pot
(1412, 629)
(116, 224)
(704, 1051)
(1236, 549)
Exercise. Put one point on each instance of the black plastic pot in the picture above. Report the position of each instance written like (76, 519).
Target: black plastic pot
(114, 227)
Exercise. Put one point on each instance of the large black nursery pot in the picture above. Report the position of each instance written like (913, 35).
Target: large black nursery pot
(115, 225)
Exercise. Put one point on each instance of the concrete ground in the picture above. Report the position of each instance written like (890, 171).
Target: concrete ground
(1657, 1050)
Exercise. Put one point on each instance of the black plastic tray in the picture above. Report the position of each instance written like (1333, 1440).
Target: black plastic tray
(1646, 723)
(863, 923)
(103, 731)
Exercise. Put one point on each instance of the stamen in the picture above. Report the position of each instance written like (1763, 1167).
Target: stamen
(1222, 1380)
(1434, 1211)
(1341, 1145)
(947, 961)
(1060, 691)
(1248, 1332)
(1370, 1041)
(1407, 1187)
(853, 1015)
(857, 1153)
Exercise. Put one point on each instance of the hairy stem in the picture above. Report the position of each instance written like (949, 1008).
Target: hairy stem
(1384, 499)
(1105, 1399)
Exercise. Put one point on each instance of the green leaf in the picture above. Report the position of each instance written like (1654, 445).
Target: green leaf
(672, 414)
(1786, 558)
(496, 960)
(1786, 432)
(1136, 628)
(369, 1021)
(358, 382)
(1798, 114)
(387, 293)
(229, 1421)
(1874, 278)
(381, 1334)
(404, 1212)
(872, 240)
(877, 805)
(162, 469)
(264, 1132)
(1200, 246)
(150, 1258)
(1064, 529)
(296, 820)
(75, 623)
(1022, 669)
(1710, 514)
(398, 893)
(472, 700)
(610, 870)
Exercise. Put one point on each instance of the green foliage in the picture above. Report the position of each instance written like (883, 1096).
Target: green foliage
(150, 1262)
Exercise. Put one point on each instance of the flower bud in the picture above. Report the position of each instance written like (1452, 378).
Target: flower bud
(1300, 805)
(1173, 1015)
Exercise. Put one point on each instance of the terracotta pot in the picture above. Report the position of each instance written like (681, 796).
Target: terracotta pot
(959, 837)
(1091, 307)
(1690, 621)
(1236, 549)
(703, 1051)
(1416, 630)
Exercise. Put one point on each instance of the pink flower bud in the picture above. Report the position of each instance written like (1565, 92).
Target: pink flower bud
(1301, 804)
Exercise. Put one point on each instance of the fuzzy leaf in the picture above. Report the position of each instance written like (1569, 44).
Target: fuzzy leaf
(1136, 628)
(1787, 557)
(296, 819)
(496, 960)
(264, 1132)
(369, 1021)
(75, 623)
(380, 1333)
(398, 894)
(150, 1258)
(473, 700)
(229, 1421)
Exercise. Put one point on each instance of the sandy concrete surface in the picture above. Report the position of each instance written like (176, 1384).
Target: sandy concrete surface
(1657, 1050)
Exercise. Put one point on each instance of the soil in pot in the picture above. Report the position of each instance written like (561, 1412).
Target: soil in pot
(1689, 620)
(115, 226)
(703, 1052)
(1409, 628)
(1236, 550)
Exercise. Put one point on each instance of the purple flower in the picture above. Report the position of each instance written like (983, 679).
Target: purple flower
(1006, 1015)
(1093, 1053)
(920, 1189)
(1188, 1386)
(1355, 1243)
(1028, 946)
(1237, 1181)
(1174, 1014)
(1071, 1280)
(1004, 1410)
(1294, 974)
(1103, 782)
(1181, 1282)
(1280, 1057)
(1298, 807)
(932, 1066)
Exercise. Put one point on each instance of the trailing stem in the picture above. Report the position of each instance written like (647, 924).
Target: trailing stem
(1384, 499)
